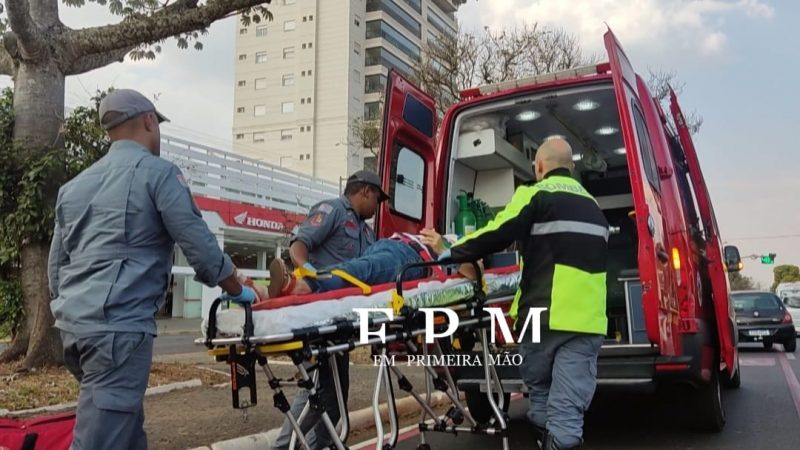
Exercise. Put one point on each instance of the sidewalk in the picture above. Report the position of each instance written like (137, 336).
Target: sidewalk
(171, 326)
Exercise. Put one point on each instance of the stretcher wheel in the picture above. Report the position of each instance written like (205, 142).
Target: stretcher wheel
(423, 447)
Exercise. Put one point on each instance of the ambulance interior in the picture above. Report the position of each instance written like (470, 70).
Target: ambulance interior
(493, 151)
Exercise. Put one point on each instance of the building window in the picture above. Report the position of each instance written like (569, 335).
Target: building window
(239, 136)
(261, 83)
(381, 29)
(357, 21)
(302, 129)
(311, 18)
(357, 48)
(261, 31)
(309, 73)
(260, 110)
(302, 101)
(416, 4)
(301, 157)
(374, 84)
(243, 31)
(287, 107)
(261, 57)
(305, 19)
(304, 46)
(376, 56)
(288, 52)
(242, 83)
(258, 137)
(242, 57)
(310, 45)
(303, 73)
(397, 13)
(371, 110)
(308, 128)
(357, 76)
(286, 135)
(308, 155)
(240, 109)
(289, 25)
(288, 79)
(308, 100)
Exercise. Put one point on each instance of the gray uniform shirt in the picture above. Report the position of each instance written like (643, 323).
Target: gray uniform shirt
(334, 233)
(116, 227)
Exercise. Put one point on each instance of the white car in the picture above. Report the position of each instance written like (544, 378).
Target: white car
(793, 306)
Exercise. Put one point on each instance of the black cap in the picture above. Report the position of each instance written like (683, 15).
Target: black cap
(367, 177)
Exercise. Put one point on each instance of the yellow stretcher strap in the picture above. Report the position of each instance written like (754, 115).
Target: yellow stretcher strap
(262, 349)
(397, 302)
(302, 272)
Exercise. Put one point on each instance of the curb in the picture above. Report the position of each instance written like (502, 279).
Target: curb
(362, 419)
(163, 389)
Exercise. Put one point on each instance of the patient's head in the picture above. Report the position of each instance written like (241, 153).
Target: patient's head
(554, 153)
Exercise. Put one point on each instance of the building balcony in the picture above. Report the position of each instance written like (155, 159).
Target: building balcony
(449, 6)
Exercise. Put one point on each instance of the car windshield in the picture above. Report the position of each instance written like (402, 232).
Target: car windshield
(756, 300)
(793, 302)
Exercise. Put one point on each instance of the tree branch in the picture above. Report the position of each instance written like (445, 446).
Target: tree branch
(94, 61)
(180, 17)
(29, 37)
(6, 61)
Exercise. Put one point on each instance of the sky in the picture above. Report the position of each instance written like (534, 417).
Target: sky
(738, 60)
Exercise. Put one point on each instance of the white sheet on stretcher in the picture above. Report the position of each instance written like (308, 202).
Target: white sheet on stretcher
(230, 322)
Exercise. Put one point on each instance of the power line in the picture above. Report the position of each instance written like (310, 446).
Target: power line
(753, 238)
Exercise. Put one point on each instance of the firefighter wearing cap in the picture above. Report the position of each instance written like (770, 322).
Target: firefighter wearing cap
(333, 232)
(116, 227)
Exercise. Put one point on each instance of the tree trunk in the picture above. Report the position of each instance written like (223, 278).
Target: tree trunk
(38, 116)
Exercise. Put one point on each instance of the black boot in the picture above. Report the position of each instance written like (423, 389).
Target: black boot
(550, 444)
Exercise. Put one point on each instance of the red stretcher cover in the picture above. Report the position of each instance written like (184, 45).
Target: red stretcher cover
(53, 432)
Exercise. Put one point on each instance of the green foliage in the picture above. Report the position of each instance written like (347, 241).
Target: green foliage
(785, 273)
(27, 176)
(11, 310)
(740, 282)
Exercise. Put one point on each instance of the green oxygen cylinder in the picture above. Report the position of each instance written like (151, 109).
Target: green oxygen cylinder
(465, 219)
(476, 205)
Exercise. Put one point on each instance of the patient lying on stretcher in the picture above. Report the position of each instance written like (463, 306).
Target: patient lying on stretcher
(380, 263)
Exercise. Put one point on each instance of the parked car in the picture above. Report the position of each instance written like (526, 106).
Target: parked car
(762, 317)
(792, 305)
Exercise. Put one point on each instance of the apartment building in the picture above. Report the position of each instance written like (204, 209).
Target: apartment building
(304, 77)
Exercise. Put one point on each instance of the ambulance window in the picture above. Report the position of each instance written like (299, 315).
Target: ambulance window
(646, 148)
(406, 188)
(418, 115)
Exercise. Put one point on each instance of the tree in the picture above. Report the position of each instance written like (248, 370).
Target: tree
(659, 82)
(453, 63)
(785, 273)
(740, 282)
(39, 52)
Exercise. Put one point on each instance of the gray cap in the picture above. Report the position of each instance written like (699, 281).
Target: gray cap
(128, 104)
(367, 177)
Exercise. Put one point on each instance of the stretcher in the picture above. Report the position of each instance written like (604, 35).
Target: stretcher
(325, 325)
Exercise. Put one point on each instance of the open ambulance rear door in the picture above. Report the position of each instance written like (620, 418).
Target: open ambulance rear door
(723, 308)
(407, 159)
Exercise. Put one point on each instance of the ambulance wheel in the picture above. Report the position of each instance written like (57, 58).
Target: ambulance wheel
(708, 405)
(731, 383)
(479, 406)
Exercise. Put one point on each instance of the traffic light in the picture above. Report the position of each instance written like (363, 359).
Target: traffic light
(768, 259)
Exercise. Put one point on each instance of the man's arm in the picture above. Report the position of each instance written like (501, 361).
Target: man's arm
(318, 225)
(57, 259)
(185, 224)
(510, 224)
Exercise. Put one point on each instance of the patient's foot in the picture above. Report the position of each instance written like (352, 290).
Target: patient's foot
(282, 282)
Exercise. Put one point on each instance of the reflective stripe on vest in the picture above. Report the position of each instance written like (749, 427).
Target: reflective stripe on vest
(569, 226)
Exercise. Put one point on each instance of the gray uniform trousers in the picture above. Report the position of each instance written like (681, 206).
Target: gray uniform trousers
(113, 370)
(561, 375)
(318, 437)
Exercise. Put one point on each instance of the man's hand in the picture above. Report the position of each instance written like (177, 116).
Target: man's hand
(248, 295)
(433, 240)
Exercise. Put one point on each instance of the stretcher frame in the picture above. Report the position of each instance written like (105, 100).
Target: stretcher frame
(320, 345)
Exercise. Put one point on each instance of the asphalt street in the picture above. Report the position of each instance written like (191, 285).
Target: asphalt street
(763, 414)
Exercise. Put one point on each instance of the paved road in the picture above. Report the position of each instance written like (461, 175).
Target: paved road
(167, 345)
(763, 414)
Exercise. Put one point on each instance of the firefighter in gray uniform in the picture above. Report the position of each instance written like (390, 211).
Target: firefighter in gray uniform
(334, 231)
(110, 261)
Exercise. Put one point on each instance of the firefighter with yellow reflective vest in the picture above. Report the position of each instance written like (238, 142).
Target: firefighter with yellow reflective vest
(562, 236)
